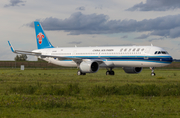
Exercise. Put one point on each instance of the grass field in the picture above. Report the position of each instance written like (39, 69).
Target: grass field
(61, 93)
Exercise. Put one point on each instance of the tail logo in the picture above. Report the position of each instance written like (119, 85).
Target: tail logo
(40, 36)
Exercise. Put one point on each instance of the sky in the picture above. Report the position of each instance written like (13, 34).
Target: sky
(90, 23)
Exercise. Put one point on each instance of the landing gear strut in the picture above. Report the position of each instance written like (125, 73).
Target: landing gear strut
(80, 73)
(152, 71)
(110, 72)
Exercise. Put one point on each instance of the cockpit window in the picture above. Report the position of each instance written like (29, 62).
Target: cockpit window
(161, 52)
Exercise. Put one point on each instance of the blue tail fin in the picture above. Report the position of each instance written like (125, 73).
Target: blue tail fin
(41, 38)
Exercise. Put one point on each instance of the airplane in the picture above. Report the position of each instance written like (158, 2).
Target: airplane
(89, 59)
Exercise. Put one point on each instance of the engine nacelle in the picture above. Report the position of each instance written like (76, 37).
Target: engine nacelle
(132, 70)
(89, 67)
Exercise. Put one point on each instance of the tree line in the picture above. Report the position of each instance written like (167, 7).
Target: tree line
(22, 57)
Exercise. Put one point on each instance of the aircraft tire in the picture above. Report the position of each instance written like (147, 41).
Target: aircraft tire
(107, 72)
(80, 73)
(112, 73)
(153, 74)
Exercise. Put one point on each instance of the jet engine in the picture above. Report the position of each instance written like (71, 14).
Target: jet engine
(132, 70)
(89, 67)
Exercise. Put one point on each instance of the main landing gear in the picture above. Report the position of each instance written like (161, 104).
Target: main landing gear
(80, 73)
(110, 72)
(152, 71)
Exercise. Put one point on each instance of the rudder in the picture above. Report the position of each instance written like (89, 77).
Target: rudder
(41, 38)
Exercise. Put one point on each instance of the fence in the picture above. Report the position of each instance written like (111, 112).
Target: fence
(27, 64)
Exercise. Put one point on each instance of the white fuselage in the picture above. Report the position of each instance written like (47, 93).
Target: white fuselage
(119, 56)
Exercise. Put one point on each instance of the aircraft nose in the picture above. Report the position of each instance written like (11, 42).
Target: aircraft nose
(170, 59)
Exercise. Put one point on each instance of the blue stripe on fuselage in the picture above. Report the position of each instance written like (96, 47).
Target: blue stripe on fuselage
(156, 59)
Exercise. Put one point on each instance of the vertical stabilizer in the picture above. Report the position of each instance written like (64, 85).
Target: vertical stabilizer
(41, 38)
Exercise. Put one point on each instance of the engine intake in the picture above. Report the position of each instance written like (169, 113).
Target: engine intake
(89, 67)
(132, 70)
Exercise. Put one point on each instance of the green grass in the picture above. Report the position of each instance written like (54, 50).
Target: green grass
(61, 93)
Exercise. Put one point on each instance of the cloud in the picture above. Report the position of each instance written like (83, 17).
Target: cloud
(155, 39)
(156, 5)
(174, 33)
(75, 42)
(99, 7)
(78, 23)
(125, 36)
(15, 3)
(144, 36)
(165, 32)
(82, 8)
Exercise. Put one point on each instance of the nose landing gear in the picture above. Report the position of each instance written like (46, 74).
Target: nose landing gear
(152, 71)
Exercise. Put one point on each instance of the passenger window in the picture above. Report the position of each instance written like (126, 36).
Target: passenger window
(142, 49)
(129, 50)
(121, 50)
(134, 49)
(138, 49)
(159, 52)
(155, 52)
(125, 50)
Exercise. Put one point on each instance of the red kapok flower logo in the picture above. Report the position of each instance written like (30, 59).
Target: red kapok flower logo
(40, 36)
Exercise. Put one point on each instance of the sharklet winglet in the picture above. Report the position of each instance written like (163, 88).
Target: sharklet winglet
(12, 49)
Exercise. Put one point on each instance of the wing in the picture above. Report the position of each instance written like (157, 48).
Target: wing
(76, 60)
(23, 52)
